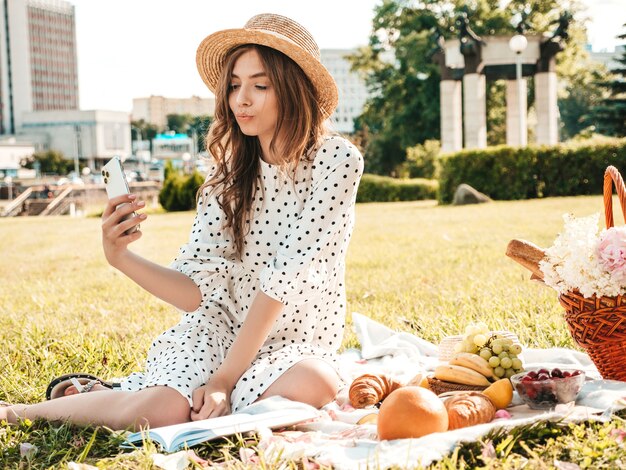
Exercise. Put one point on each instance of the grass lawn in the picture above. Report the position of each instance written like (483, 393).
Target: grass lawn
(413, 266)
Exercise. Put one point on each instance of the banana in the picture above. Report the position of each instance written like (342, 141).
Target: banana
(460, 375)
(474, 362)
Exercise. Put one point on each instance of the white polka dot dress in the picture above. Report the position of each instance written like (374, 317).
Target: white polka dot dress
(294, 252)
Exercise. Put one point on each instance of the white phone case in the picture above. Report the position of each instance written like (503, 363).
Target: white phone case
(116, 184)
(114, 178)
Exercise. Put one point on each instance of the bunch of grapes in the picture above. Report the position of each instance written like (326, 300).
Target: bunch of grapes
(500, 352)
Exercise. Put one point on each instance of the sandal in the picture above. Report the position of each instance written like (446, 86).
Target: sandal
(83, 383)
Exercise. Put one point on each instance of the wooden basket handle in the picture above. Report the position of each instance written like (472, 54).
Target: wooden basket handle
(612, 176)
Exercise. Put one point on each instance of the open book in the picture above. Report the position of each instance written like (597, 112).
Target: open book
(177, 436)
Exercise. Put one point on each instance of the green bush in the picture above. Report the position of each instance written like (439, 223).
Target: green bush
(508, 173)
(375, 188)
(421, 161)
(179, 191)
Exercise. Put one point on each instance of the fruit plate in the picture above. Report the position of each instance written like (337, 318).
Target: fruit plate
(542, 389)
(447, 345)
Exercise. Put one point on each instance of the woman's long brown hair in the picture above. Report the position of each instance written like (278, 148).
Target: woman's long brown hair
(300, 125)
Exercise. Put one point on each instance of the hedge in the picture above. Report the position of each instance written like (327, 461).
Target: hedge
(375, 188)
(179, 191)
(508, 173)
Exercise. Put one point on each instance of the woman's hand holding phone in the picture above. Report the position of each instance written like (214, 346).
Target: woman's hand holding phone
(118, 223)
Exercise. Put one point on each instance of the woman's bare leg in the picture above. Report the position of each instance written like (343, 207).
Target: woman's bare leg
(311, 381)
(153, 406)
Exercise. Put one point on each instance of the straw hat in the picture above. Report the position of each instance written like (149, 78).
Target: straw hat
(277, 32)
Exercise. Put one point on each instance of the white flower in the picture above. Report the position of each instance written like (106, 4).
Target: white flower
(572, 262)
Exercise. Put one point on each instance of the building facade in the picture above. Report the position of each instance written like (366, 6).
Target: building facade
(155, 109)
(171, 146)
(352, 90)
(609, 59)
(91, 136)
(352, 96)
(38, 65)
(12, 152)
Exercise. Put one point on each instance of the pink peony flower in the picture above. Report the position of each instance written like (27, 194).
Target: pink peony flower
(612, 252)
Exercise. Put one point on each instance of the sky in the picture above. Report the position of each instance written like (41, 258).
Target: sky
(136, 48)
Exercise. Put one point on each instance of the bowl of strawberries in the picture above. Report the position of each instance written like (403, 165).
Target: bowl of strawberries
(542, 389)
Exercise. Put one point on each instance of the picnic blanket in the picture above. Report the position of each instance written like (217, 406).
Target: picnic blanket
(335, 439)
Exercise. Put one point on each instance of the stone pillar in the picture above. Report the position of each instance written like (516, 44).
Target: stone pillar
(451, 116)
(475, 110)
(547, 110)
(513, 114)
(545, 91)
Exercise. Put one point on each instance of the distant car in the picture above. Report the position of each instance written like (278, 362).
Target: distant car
(135, 176)
(96, 178)
(75, 181)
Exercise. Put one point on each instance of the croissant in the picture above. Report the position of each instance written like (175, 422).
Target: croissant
(369, 389)
(468, 409)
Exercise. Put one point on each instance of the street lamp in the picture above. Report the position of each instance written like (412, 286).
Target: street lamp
(79, 149)
(518, 45)
(186, 159)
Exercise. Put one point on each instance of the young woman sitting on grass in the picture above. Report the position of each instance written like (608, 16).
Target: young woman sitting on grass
(261, 279)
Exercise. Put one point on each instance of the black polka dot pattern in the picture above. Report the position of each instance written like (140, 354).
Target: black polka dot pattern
(294, 251)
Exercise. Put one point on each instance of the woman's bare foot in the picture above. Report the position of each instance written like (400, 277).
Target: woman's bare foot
(7, 414)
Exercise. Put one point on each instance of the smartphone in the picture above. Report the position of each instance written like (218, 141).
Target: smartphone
(116, 185)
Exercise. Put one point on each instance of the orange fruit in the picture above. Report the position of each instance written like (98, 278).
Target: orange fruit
(424, 383)
(500, 393)
(420, 380)
(368, 419)
(411, 412)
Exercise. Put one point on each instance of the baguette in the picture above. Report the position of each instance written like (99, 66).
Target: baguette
(528, 255)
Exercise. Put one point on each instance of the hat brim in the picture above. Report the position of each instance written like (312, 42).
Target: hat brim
(213, 49)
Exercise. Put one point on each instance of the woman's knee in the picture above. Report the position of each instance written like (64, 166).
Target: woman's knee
(310, 381)
(158, 406)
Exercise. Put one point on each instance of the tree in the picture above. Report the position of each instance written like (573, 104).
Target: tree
(403, 82)
(142, 130)
(194, 126)
(611, 112)
(179, 122)
(496, 112)
(50, 161)
(581, 78)
(199, 126)
(581, 95)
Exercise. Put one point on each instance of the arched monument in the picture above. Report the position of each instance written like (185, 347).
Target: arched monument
(468, 61)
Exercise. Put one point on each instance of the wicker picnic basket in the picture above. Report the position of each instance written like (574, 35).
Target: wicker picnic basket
(446, 346)
(598, 324)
